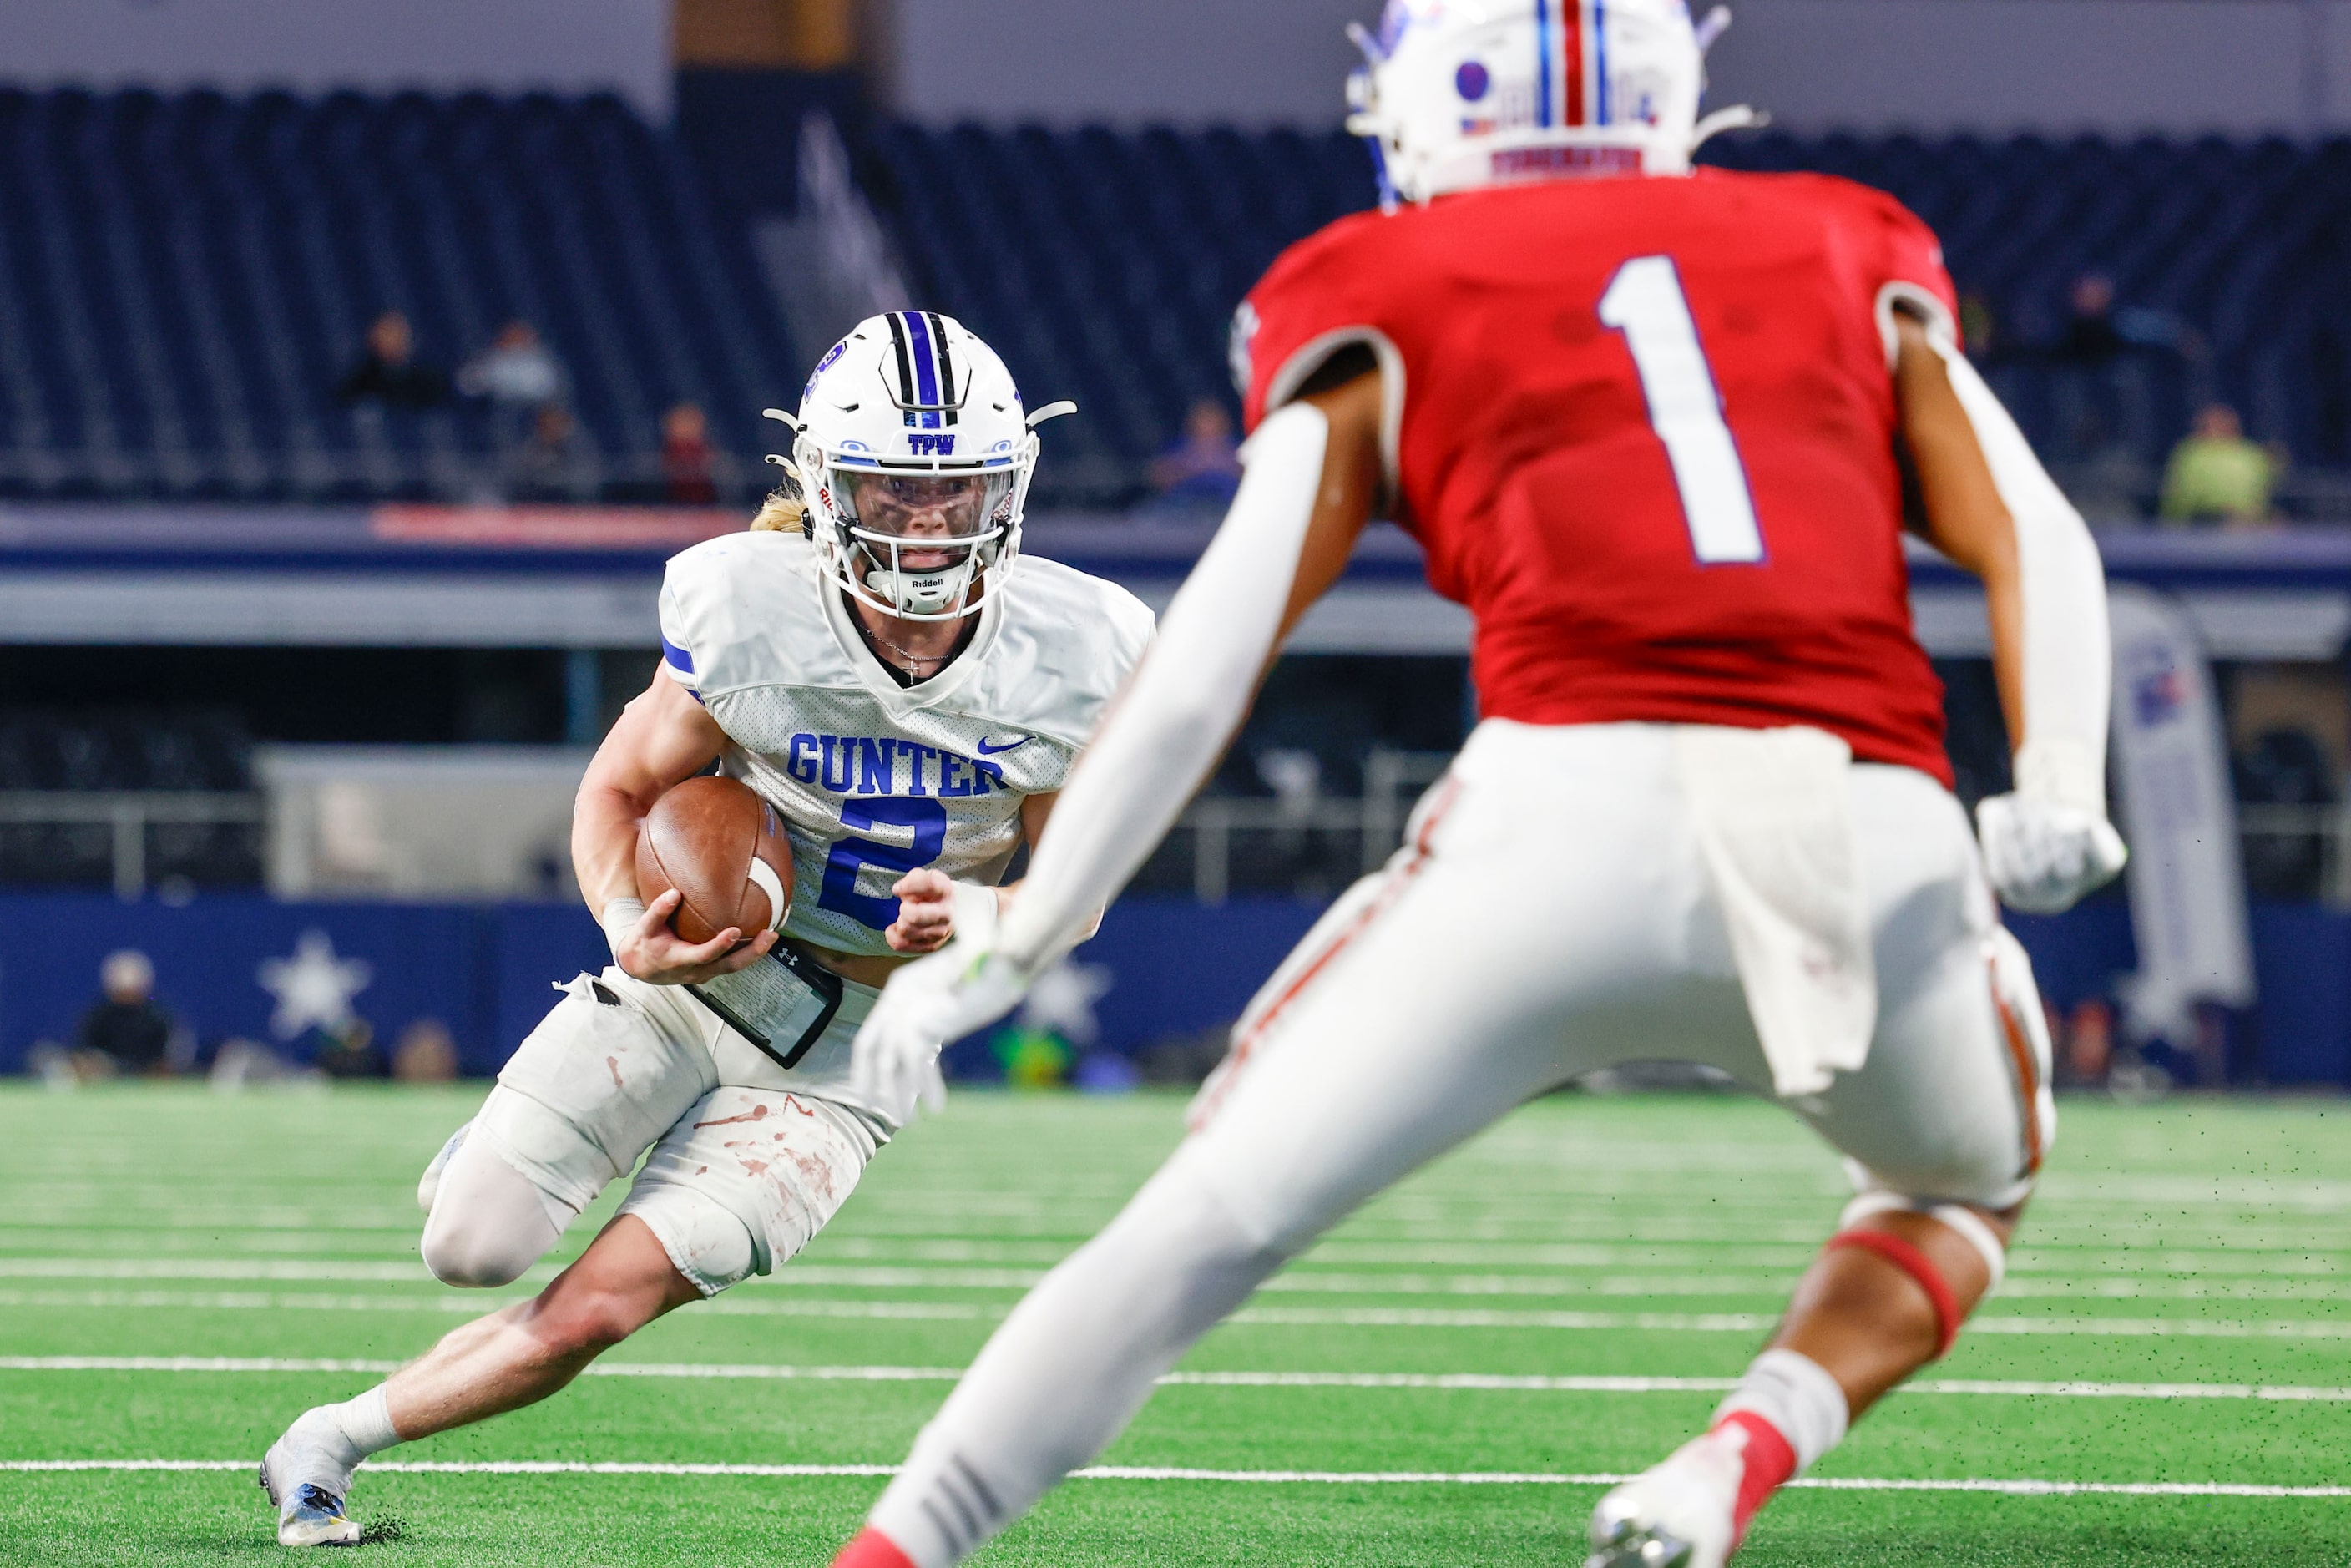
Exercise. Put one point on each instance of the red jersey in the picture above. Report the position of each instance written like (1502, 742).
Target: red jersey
(1647, 438)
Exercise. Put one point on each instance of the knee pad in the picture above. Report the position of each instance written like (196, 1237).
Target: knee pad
(706, 1242)
(489, 1222)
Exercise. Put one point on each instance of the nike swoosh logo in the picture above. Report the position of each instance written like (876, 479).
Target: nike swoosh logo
(987, 750)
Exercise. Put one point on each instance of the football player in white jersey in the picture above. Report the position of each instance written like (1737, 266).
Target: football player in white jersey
(908, 692)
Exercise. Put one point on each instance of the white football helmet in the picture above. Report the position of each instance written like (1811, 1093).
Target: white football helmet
(913, 457)
(1457, 94)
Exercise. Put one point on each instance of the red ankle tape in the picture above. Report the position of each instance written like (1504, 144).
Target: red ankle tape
(872, 1549)
(1919, 1266)
(1770, 1460)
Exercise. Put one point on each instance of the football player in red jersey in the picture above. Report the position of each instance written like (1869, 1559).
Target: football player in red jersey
(1647, 425)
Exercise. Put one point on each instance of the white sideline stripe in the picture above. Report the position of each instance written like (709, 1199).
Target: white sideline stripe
(1239, 1478)
(1473, 1381)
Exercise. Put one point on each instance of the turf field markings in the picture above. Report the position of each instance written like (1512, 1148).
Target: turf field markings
(1231, 1477)
(468, 1304)
(335, 1271)
(1472, 1382)
(1569, 1280)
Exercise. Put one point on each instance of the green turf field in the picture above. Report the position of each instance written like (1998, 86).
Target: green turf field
(1427, 1388)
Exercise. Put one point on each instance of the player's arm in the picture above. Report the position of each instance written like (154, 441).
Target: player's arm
(1993, 510)
(1311, 480)
(934, 909)
(662, 736)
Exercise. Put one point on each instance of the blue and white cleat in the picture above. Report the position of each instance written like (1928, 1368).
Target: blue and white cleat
(306, 1484)
(428, 1185)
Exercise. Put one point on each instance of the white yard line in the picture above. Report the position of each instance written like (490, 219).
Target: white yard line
(1232, 1478)
(1467, 1381)
(764, 1305)
(1306, 1280)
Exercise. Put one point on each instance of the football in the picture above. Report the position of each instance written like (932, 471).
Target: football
(719, 844)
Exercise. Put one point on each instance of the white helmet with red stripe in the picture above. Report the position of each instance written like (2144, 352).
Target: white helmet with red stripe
(1458, 94)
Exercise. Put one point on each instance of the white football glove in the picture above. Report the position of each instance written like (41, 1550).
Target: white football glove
(2042, 854)
(894, 1063)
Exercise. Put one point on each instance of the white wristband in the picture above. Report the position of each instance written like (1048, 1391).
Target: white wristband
(974, 914)
(620, 920)
(2063, 770)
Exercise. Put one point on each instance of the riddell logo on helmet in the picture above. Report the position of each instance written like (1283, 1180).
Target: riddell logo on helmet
(931, 446)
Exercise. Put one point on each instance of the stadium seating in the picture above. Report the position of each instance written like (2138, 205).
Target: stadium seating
(183, 279)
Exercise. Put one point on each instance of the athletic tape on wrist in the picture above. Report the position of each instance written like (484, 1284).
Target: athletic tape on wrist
(620, 920)
(1919, 1266)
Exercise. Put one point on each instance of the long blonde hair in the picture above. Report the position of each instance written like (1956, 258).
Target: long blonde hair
(781, 513)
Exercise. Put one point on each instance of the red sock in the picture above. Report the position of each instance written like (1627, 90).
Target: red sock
(1771, 1461)
(872, 1549)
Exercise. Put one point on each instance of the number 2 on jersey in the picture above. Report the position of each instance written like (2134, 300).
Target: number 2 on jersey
(928, 820)
(1645, 301)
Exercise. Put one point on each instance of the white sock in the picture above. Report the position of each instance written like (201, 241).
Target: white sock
(1798, 1396)
(363, 1424)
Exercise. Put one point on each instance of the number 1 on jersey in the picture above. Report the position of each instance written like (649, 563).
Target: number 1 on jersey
(1645, 301)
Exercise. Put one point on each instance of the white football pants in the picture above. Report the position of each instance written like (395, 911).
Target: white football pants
(1549, 914)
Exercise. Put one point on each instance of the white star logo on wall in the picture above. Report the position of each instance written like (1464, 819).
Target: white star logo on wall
(313, 986)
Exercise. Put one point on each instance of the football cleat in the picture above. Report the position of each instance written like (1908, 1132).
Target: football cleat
(428, 1185)
(309, 1511)
(1681, 1514)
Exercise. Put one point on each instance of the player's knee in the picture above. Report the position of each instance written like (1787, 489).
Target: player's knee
(1185, 1217)
(1955, 1253)
(585, 1325)
(478, 1257)
(489, 1222)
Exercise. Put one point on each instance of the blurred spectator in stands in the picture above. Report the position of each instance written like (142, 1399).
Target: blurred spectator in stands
(516, 377)
(516, 371)
(1978, 328)
(389, 373)
(553, 464)
(425, 1054)
(686, 458)
(2216, 475)
(1202, 468)
(2104, 390)
(123, 1032)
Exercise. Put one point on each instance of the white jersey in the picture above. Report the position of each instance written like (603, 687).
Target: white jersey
(875, 780)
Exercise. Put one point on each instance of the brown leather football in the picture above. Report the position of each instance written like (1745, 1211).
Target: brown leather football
(701, 837)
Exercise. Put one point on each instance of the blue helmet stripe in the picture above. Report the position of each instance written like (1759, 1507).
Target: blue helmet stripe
(926, 365)
(1542, 61)
(1600, 58)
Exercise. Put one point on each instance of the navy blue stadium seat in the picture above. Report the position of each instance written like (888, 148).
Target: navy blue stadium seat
(183, 278)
